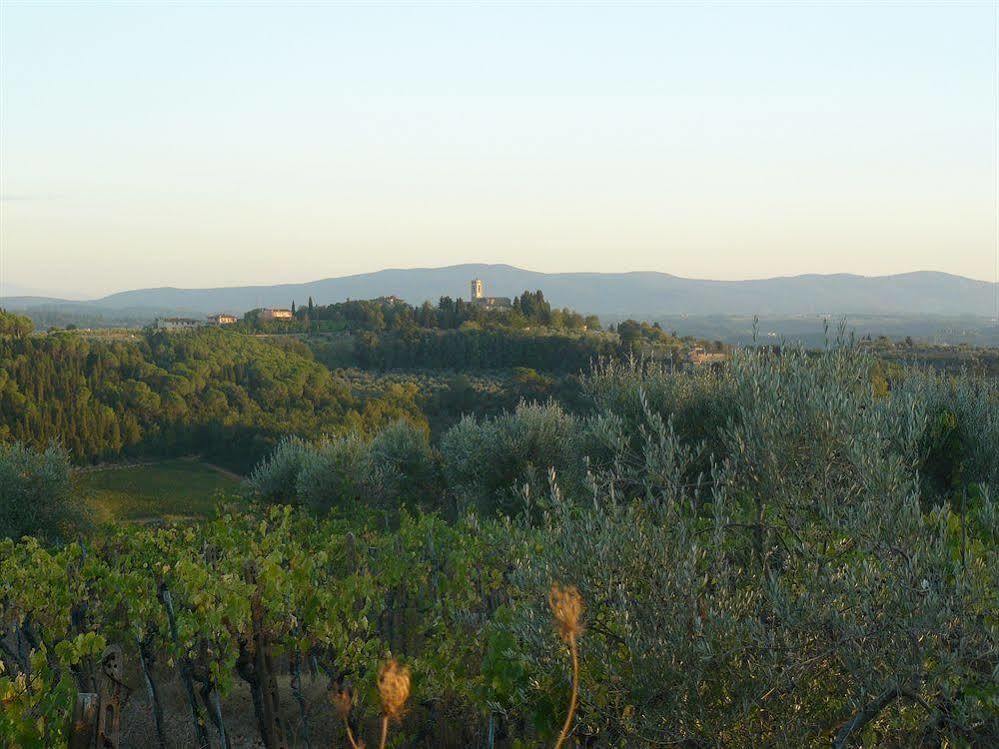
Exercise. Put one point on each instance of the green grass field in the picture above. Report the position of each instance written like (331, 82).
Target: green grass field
(169, 490)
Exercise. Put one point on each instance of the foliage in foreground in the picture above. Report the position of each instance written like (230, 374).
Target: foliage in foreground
(788, 552)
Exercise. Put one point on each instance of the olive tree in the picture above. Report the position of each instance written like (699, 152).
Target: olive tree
(805, 591)
(36, 493)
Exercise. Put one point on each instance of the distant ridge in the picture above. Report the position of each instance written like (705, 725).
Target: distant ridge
(635, 293)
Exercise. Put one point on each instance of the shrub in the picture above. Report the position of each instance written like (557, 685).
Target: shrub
(336, 472)
(488, 464)
(275, 479)
(396, 468)
(36, 494)
(404, 469)
(960, 441)
(648, 412)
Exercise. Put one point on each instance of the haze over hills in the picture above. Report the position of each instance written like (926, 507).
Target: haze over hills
(638, 293)
(17, 290)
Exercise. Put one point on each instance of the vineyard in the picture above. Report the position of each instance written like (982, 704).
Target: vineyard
(793, 550)
(245, 598)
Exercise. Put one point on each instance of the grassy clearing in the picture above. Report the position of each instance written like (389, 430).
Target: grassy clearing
(170, 490)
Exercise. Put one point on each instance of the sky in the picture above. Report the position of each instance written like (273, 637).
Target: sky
(214, 144)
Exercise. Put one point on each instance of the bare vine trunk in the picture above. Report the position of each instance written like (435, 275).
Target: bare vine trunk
(145, 661)
(296, 690)
(213, 704)
(185, 672)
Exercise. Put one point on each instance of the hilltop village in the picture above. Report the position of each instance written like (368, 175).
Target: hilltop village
(379, 323)
(477, 298)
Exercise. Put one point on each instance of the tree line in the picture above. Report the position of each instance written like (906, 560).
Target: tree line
(530, 309)
(473, 348)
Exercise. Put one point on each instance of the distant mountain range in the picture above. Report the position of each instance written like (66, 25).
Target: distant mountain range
(613, 294)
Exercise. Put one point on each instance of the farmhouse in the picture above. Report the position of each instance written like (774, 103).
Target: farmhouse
(479, 299)
(177, 323)
(222, 318)
(276, 314)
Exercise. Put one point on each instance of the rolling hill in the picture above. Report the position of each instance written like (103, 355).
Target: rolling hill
(922, 293)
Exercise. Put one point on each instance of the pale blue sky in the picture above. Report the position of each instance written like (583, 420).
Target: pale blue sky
(195, 144)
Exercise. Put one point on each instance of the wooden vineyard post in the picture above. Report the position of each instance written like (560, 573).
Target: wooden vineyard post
(83, 728)
(109, 696)
(96, 720)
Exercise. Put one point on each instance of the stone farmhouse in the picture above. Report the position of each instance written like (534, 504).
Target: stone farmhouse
(276, 314)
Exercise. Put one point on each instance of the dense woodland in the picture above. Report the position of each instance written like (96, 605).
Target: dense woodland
(788, 549)
(227, 395)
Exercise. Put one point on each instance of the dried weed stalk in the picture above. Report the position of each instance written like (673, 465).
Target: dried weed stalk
(393, 688)
(567, 608)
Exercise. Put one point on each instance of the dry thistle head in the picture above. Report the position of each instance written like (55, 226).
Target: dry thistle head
(567, 607)
(393, 687)
(343, 702)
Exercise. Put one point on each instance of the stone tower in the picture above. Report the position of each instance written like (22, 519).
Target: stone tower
(477, 289)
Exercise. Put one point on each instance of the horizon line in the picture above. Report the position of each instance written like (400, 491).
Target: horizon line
(495, 265)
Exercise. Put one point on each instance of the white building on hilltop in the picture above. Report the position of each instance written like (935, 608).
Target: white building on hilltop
(478, 298)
